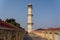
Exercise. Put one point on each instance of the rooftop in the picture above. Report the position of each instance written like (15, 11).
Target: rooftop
(6, 25)
(49, 29)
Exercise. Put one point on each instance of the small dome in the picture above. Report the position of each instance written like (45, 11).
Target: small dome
(29, 4)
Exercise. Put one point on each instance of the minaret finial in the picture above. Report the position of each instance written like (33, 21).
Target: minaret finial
(29, 4)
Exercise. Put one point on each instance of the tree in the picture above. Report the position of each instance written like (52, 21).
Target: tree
(12, 21)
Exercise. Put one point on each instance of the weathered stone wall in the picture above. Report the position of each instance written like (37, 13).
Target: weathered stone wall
(11, 34)
(48, 35)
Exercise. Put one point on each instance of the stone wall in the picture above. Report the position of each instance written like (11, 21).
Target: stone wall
(48, 35)
(11, 34)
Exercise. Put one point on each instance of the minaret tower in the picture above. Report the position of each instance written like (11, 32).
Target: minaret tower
(30, 23)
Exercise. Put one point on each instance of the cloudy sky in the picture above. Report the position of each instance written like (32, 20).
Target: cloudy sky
(46, 13)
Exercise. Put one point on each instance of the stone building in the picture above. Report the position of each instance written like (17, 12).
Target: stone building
(10, 32)
(48, 34)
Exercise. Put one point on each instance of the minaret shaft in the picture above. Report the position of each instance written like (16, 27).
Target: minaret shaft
(30, 23)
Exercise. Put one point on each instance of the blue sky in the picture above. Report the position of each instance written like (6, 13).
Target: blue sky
(46, 13)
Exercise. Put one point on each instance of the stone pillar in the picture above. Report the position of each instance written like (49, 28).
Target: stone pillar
(17, 37)
(5, 34)
(23, 33)
(4, 37)
(9, 35)
(48, 35)
(54, 36)
(45, 34)
(41, 35)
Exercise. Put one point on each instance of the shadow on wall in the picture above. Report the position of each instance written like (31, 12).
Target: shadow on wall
(33, 37)
(27, 37)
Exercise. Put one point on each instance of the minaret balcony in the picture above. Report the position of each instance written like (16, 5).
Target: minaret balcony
(30, 14)
(30, 23)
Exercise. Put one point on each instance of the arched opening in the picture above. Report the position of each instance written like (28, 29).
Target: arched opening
(13, 37)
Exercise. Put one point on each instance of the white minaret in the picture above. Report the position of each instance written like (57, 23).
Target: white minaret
(30, 23)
